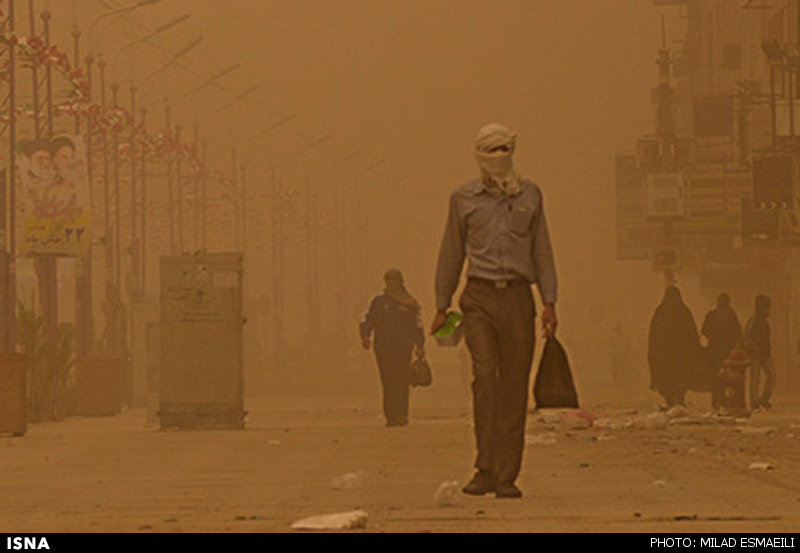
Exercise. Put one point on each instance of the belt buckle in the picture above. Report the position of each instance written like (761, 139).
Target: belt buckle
(501, 284)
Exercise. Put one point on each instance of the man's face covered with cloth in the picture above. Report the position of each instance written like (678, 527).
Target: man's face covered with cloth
(494, 148)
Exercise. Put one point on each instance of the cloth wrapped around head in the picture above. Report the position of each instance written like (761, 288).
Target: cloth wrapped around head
(494, 148)
(395, 288)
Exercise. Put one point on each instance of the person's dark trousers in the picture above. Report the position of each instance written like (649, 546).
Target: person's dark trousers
(393, 364)
(766, 366)
(499, 326)
(717, 385)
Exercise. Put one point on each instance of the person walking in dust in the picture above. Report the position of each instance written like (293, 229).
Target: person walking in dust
(673, 348)
(759, 347)
(394, 320)
(722, 329)
(497, 222)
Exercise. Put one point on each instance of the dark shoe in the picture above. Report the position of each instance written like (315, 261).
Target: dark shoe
(482, 483)
(508, 490)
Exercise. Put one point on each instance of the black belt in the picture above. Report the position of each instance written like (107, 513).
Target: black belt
(500, 283)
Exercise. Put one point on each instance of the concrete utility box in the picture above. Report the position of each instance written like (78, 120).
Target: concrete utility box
(201, 378)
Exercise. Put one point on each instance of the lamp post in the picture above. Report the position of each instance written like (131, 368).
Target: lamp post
(173, 59)
(9, 316)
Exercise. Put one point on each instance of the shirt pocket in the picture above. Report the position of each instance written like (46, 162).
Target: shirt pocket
(520, 219)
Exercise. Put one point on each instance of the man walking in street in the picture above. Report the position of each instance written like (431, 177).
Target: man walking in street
(497, 222)
(759, 347)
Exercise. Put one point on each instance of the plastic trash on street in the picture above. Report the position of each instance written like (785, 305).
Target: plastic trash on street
(336, 521)
(349, 481)
(448, 494)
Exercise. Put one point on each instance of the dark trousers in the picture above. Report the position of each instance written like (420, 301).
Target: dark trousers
(393, 364)
(499, 326)
(766, 366)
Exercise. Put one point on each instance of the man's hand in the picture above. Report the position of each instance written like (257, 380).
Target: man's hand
(549, 320)
(366, 342)
(438, 321)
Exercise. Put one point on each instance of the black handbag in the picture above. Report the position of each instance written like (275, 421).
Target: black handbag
(554, 386)
(421, 372)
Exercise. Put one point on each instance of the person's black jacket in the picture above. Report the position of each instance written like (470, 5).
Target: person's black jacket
(723, 330)
(396, 324)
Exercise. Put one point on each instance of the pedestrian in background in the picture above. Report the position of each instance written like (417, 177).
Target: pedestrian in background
(723, 330)
(673, 348)
(497, 222)
(393, 319)
(759, 347)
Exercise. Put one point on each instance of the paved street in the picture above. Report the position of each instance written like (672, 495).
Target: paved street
(111, 474)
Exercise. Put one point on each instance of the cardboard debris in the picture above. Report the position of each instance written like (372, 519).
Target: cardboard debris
(760, 466)
(336, 521)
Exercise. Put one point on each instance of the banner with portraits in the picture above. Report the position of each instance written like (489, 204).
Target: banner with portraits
(54, 196)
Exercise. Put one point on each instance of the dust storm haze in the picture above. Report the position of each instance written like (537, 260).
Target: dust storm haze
(394, 93)
(318, 142)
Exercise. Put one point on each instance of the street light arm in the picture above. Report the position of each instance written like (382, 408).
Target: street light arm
(182, 52)
(118, 11)
(158, 30)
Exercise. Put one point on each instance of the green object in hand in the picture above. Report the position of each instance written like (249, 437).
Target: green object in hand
(450, 333)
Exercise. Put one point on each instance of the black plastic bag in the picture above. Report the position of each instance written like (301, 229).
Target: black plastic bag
(421, 372)
(554, 386)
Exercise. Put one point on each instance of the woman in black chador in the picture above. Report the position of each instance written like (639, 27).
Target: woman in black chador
(673, 348)
(394, 317)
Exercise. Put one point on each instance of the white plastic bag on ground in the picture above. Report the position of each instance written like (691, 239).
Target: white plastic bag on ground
(336, 521)
(349, 481)
(448, 494)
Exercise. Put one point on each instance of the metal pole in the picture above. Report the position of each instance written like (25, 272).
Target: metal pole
(244, 210)
(179, 188)
(116, 232)
(84, 311)
(48, 75)
(44, 265)
(772, 106)
(134, 246)
(144, 208)
(236, 201)
(311, 229)
(76, 36)
(34, 72)
(790, 71)
(277, 330)
(11, 284)
(203, 205)
(171, 222)
(196, 195)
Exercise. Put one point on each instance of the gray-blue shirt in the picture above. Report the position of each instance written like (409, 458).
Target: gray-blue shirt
(503, 237)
